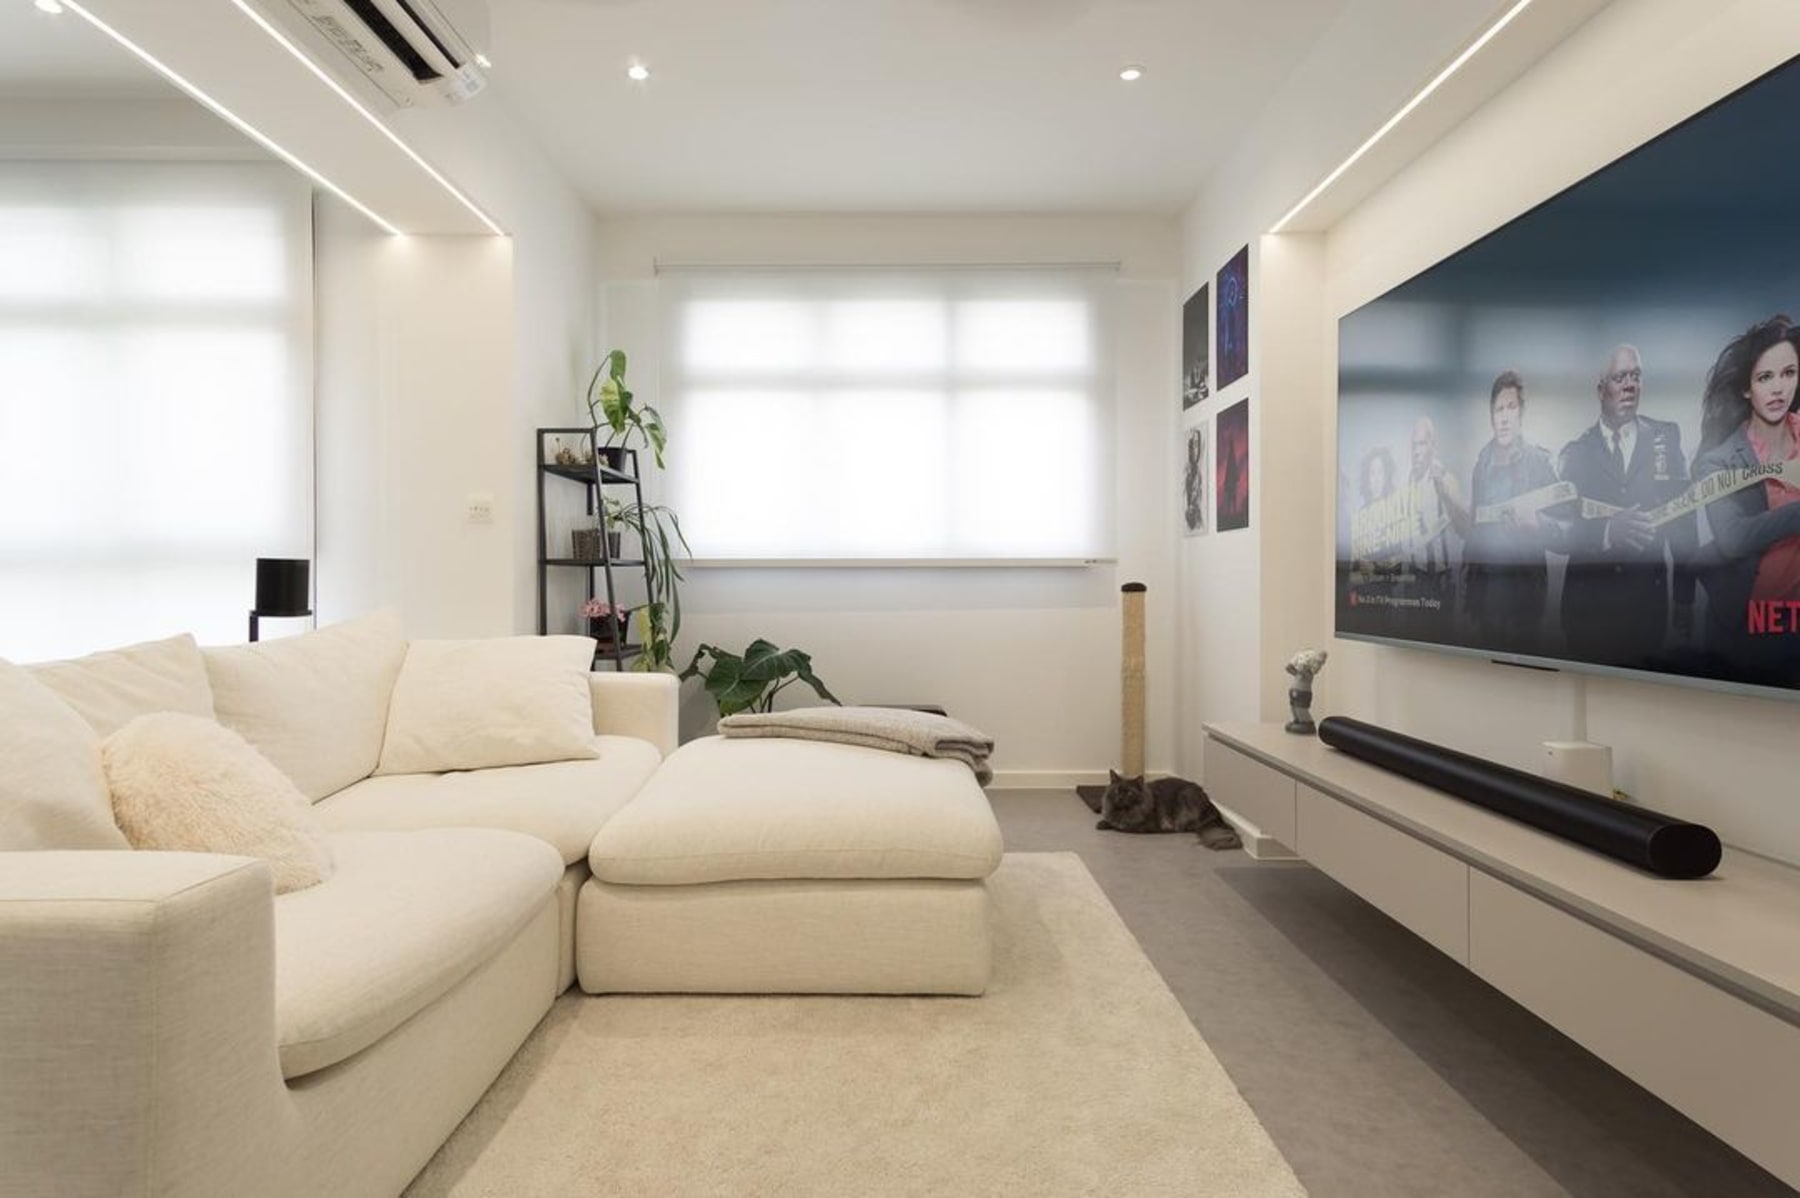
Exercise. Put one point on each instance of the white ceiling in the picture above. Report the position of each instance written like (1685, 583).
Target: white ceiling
(894, 105)
(45, 56)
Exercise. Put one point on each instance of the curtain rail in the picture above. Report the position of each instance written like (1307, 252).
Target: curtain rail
(662, 267)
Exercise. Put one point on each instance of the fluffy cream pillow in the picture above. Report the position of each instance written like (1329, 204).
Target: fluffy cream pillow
(111, 689)
(316, 704)
(52, 793)
(184, 784)
(467, 705)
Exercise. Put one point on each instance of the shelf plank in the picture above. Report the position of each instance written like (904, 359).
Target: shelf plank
(585, 474)
(617, 562)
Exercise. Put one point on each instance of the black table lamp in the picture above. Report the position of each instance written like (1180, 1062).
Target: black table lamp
(283, 589)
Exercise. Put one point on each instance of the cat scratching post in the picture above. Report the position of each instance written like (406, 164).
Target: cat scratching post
(1132, 680)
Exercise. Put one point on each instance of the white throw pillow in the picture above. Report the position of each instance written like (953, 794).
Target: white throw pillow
(188, 785)
(466, 705)
(316, 705)
(52, 791)
(111, 689)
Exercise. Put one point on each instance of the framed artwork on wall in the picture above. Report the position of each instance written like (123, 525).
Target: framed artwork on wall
(1196, 352)
(1231, 467)
(1234, 318)
(1193, 483)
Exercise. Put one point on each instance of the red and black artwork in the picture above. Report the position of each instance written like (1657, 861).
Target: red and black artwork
(1231, 468)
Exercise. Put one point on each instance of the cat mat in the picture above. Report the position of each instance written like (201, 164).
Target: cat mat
(1091, 796)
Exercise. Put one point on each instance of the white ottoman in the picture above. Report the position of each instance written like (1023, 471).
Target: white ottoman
(792, 867)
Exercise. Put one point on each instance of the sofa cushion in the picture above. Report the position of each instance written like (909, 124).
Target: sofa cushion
(315, 705)
(185, 784)
(721, 810)
(561, 802)
(112, 688)
(406, 917)
(469, 705)
(52, 789)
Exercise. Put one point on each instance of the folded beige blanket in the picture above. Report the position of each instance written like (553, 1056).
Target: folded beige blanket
(918, 733)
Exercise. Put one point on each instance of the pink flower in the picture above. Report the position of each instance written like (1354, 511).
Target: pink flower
(596, 609)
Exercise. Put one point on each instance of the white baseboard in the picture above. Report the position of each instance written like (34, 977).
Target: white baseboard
(1257, 843)
(1053, 779)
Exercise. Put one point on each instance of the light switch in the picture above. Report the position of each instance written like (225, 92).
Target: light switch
(480, 507)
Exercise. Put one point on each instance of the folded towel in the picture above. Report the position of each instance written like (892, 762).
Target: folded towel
(895, 729)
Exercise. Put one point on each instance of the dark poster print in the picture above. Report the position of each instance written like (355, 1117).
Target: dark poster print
(1231, 470)
(1234, 318)
(1196, 354)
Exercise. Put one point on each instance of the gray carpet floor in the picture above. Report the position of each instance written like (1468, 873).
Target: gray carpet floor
(1379, 1066)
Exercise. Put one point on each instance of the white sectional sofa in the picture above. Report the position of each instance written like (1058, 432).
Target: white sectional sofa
(170, 1026)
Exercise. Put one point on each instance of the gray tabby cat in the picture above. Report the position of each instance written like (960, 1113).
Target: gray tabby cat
(1165, 805)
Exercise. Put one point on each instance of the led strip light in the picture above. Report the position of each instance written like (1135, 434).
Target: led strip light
(1411, 104)
(231, 118)
(362, 110)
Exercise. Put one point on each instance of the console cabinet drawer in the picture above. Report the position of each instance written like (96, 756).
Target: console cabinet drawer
(1420, 887)
(1261, 795)
(1730, 1067)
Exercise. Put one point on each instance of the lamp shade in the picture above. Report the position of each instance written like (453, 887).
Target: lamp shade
(283, 586)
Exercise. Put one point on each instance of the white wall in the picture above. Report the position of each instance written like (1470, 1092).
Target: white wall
(1248, 600)
(415, 378)
(1632, 71)
(438, 357)
(1029, 655)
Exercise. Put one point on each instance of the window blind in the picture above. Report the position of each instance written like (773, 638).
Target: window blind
(842, 415)
(155, 398)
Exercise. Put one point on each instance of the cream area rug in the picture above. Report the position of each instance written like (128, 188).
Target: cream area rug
(1077, 1073)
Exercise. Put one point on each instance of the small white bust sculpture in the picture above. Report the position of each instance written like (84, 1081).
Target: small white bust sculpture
(1303, 665)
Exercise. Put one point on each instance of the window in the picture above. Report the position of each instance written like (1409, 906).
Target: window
(827, 415)
(155, 398)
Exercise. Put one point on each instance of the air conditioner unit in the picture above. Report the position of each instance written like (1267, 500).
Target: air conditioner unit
(407, 49)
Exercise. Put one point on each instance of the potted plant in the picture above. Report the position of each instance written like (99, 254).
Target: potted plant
(612, 407)
(750, 682)
(658, 531)
(614, 526)
(606, 623)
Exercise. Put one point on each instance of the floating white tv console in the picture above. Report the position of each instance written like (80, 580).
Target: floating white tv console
(1690, 988)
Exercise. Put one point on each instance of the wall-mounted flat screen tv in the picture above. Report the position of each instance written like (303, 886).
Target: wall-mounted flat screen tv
(1574, 442)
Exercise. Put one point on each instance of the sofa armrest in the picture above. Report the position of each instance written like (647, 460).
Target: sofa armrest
(641, 705)
(137, 1024)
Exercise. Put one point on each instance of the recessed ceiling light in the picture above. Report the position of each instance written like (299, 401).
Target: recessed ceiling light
(638, 71)
(1132, 73)
(484, 62)
(53, 7)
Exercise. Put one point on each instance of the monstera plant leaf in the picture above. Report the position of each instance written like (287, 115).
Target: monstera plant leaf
(611, 404)
(750, 681)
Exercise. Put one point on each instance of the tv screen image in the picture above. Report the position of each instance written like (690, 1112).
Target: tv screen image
(1574, 441)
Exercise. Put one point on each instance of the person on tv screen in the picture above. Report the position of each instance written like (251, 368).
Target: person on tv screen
(1432, 492)
(1616, 594)
(1747, 419)
(1375, 485)
(1377, 475)
(1509, 530)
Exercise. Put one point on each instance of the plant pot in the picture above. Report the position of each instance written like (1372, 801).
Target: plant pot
(608, 631)
(615, 543)
(614, 457)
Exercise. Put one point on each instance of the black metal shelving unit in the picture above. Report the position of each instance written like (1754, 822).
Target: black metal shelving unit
(601, 581)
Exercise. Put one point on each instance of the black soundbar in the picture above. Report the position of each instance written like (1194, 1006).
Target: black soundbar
(1670, 847)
